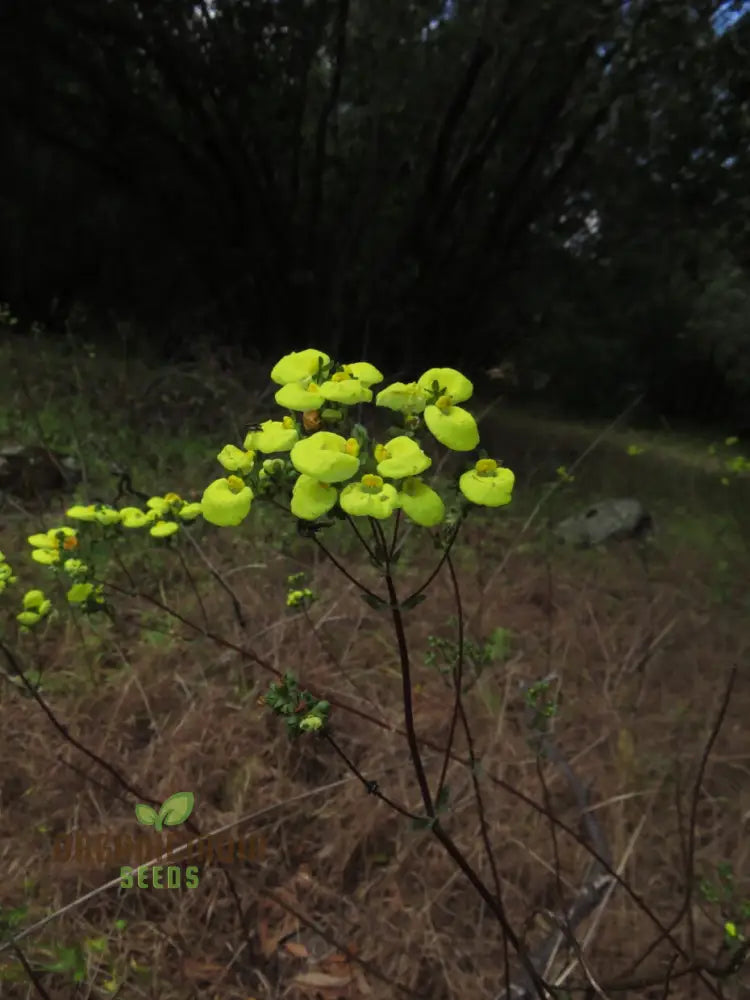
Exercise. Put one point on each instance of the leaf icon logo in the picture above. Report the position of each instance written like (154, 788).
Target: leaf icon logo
(174, 810)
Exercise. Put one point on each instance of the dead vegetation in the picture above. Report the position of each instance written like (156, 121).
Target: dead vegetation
(350, 901)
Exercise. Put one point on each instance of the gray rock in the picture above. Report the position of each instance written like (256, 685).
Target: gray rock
(608, 519)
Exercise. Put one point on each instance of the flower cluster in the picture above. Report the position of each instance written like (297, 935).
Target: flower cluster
(342, 471)
(302, 710)
(163, 516)
(6, 574)
(297, 595)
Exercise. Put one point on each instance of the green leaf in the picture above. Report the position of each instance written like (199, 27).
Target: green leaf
(413, 601)
(374, 601)
(145, 814)
(176, 808)
(422, 822)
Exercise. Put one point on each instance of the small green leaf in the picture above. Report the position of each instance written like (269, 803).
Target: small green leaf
(176, 809)
(422, 822)
(413, 601)
(145, 814)
(374, 601)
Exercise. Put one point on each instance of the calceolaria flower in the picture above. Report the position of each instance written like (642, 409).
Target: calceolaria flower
(370, 497)
(487, 484)
(298, 366)
(453, 426)
(235, 460)
(366, 373)
(304, 396)
(273, 436)
(449, 382)
(226, 502)
(327, 457)
(403, 397)
(6, 574)
(75, 567)
(163, 529)
(35, 607)
(343, 388)
(311, 723)
(421, 503)
(98, 512)
(311, 498)
(400, 458)
(297, 597)
(134, 517)
(47, 546)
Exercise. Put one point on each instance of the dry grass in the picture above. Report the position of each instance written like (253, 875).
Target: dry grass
(641, 654)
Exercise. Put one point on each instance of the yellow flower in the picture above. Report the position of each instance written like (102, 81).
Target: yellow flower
(404, 397)
(234, 460)
(35, 607)
(133, 517)
(226, 502)
(190, 511)
(78, 512)
(342, 388)
(421, 503)
(300, 396)
(325, 456)
(453, 426)
(75, 567)
(106, 515)
(366, 373)
(450, 382)
(297, 366)
(274, 435)
(370, 497)
(487, 484)
(312, 499)
(400, 458)
(47, 545)
(162, 529)
(79, 593)
(311, 723)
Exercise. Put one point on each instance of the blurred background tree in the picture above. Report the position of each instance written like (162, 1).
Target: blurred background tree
(563, 186)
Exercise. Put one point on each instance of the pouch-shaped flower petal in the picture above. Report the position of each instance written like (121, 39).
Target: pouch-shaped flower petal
(190, 511)
(226, 502)
(162, 529)
(312, 499)
(297, 366)
(453, 426)
(274, 435)
(487, 484)
(366, 373)
(421, 503)
(404, 397)
(233, 459)
(300, 396)
(107, 515)
(400, 458)
(80, 512)
(369, 498)
(134, 517)
(342, 388)
(452, 383)
(325, 456)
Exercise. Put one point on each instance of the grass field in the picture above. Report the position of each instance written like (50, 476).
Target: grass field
(349, 900)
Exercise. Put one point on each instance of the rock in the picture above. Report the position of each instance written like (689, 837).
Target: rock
(607, 519)
(28, 471)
